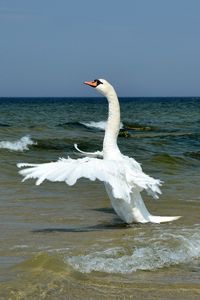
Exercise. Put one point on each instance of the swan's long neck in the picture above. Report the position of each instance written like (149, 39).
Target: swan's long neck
(110, 148)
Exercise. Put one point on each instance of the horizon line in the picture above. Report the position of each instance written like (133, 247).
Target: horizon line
(90, 97)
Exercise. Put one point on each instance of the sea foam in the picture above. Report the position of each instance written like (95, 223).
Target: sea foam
(18, 145)
(99, 125)
(161, 251)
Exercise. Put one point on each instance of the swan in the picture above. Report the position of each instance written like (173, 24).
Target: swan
(123, 177)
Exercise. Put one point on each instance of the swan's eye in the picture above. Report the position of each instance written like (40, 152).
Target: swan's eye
(98, 82)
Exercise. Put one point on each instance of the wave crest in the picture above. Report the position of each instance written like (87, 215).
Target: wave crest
(98, 125)
(161, 251)
(19, 145)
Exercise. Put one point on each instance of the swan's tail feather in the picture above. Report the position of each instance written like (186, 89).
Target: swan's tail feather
(162, 219)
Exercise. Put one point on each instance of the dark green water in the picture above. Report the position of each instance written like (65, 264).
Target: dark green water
(61, 242)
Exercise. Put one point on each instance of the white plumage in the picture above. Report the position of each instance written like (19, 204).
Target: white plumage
(122, 175)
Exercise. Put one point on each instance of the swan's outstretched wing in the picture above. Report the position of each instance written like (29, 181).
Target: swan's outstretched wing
(67, 170)
(70, 170)
(118, 174)
(89, 154)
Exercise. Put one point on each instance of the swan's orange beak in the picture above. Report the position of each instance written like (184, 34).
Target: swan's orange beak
(91, 83)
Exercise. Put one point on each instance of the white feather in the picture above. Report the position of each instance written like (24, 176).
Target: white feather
(118, 174)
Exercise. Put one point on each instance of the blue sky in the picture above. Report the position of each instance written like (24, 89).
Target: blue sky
(143, 47)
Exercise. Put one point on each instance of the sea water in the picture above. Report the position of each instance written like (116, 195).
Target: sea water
(61, 242)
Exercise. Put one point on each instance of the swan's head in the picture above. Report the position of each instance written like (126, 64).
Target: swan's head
(101, 85)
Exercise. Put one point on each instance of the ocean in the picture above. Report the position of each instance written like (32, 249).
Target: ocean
(66, 242)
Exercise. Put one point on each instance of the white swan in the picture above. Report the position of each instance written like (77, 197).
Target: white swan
(123, 176)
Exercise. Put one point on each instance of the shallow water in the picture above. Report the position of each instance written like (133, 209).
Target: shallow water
(60, 242)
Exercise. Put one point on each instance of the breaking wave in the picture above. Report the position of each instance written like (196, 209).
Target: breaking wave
(19, 145)
(99, 125)
(162, 250)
